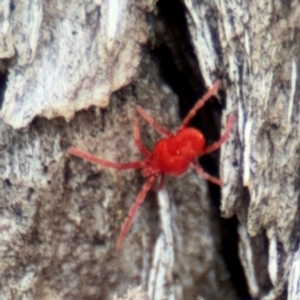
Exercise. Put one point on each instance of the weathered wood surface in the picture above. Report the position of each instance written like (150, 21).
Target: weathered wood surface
(60, 216)
(259, 46)
(62, 49)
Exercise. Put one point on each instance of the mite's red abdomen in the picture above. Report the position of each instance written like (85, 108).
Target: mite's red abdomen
(173, 155)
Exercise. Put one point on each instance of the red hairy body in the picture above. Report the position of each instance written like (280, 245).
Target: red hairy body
(172, 155)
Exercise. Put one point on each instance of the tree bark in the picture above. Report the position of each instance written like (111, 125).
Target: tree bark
(74, 73)
(260, 51)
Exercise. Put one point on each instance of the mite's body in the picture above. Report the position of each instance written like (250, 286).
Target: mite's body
(172, 155)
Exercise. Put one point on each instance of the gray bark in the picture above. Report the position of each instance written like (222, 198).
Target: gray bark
(260, 47)
(60, 216)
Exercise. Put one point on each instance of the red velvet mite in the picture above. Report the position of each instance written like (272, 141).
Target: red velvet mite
(172, 155)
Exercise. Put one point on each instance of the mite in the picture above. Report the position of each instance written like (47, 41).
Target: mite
(172, 155)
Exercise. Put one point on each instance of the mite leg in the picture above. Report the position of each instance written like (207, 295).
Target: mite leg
(133, 210)
(223, 138)
(206, 176)
(211, 92)
(138, 141)
(109, 164)
(153, 123)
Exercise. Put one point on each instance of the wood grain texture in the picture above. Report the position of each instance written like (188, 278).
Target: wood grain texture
(68, 56)
(60, 216)
(257, 45)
